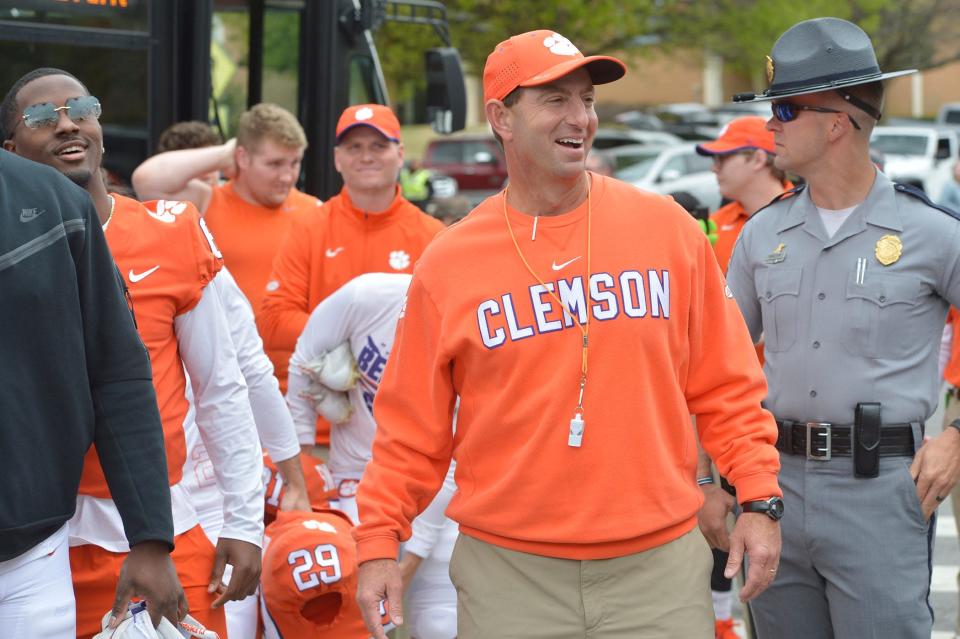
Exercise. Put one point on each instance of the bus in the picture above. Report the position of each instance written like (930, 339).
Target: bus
(156, 62)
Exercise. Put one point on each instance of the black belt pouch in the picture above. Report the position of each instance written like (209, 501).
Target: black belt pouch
(866, 449)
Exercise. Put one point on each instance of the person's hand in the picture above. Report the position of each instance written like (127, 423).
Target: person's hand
(148, 573)
(246, 560)
(712, 518)
(379, 580)
(758, 536)
(294, 499)
(936, 469)
(408, 568)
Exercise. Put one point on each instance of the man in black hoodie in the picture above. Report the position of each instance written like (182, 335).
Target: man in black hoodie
(74, 373)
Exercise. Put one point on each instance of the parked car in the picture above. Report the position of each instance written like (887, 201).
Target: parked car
(671, 169)
(612, 138)
(476, 162)
(733, 110)
(688, 120)
(921, 156)
(949, 115)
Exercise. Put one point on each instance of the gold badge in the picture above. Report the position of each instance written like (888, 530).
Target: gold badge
(889, 249)
(770, 69)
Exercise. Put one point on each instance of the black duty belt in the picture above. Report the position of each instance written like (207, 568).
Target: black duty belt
(821, 441)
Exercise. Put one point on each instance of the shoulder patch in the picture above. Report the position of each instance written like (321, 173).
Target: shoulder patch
(788, 193)
(912, 191)
(165, 210)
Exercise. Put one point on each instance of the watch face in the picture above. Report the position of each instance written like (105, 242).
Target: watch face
(776, 508)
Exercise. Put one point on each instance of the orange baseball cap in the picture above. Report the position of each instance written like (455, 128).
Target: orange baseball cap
(749, 132)
(538, 57)
(376, 116)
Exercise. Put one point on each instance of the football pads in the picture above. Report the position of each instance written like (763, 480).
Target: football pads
(336, 369)
(334, 406)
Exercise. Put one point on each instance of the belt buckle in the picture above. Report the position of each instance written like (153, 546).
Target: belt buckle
(819, 453)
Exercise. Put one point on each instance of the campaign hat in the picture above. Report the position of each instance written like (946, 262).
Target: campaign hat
(817, 55)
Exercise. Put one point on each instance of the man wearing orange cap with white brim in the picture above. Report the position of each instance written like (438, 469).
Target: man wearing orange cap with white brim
(367, 228)
(569, 315)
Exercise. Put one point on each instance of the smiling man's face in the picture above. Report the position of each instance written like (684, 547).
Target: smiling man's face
(73, 148)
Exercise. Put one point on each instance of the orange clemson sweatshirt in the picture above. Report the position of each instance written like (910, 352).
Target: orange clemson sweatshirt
(666, 340)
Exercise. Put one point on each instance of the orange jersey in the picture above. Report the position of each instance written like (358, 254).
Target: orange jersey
(952, 371)
(166, 259)
(250, 236)
(666, 340)
(325, 249)
(309, 578)
(320, 486)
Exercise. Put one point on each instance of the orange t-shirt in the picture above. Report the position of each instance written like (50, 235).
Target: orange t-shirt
(666, 340)
(952, 371)
(166, 259)
(309, 578)
(250, 236)
(325, 249)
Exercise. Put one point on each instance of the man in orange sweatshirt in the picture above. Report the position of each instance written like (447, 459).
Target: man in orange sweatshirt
(580, 321)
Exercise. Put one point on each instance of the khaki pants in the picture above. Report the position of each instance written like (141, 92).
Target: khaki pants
(662, 593)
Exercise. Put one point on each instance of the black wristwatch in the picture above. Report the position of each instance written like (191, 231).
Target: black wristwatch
(772, 508)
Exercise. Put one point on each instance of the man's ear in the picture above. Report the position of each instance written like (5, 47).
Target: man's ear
(242, 157)
(336, 159)
(500, 118)
(10, 145)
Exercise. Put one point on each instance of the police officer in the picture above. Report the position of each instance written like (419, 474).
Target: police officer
(849, 280)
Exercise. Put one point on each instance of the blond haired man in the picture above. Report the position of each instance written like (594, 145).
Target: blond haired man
(252, 212)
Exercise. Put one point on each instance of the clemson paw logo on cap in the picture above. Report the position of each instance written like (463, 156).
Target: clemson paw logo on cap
(364, 114)
(313, 524)
(560, 45)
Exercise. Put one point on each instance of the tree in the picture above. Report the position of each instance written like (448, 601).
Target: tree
(920, 34)
(477, 26)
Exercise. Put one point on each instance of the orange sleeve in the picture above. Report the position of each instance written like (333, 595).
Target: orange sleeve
(285, 308)
(412, 447)
(725, 388)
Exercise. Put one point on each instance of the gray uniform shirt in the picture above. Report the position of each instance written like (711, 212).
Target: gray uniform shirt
(839, 326)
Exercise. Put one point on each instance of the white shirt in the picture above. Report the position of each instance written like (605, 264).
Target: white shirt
(226, 426)
(364, 311)
(273, 420)
(834, 219)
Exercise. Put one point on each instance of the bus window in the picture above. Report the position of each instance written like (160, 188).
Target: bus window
(229, 56)
(281, 57)
(129, 15)
(362, 86)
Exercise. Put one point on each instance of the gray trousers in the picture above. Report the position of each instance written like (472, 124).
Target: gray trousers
(857, 555)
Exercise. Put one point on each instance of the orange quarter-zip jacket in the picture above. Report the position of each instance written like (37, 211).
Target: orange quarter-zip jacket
(327, 247)
(666, 340)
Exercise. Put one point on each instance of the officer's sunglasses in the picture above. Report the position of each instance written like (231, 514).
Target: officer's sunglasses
(44, 114)
(788, 112)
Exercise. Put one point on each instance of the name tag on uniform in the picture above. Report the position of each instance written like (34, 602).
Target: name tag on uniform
(779, 254)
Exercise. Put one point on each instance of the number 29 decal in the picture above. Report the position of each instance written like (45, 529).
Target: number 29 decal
(313, 568)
